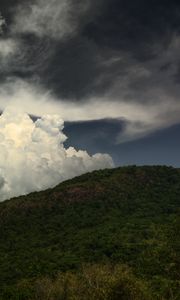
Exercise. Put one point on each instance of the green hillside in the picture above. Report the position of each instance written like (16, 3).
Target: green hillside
(111, 234)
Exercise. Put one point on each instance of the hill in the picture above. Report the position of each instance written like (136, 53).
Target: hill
(117, 228)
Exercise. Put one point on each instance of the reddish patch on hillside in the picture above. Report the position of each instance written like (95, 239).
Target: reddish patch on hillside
(79, 193)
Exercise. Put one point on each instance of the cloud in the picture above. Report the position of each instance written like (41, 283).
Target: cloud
(8, 49)
(2, 23)
(140, 118)
(33, 157)
(99, 72)
(54, 18)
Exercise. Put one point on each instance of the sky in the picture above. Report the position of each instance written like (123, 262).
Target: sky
(109, 68)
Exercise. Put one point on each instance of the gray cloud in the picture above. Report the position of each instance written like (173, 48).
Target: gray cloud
(115, 59)
(2, 23)
(55, 19)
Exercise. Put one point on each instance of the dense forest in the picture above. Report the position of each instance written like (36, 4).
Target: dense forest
(111, 234)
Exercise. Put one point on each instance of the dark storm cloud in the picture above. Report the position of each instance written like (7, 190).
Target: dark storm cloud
(111, 38)
(133, 25)
(123, 36)
(87, 55)
(80, 69)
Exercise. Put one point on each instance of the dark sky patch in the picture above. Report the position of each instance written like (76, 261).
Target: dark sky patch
(161, 147)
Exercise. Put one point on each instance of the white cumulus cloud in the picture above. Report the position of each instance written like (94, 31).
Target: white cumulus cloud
(33, 157)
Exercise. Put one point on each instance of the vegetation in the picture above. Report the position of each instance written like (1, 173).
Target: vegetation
(111, 234)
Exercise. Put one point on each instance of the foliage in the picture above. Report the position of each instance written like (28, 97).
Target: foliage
(125, 216)
(96, 282)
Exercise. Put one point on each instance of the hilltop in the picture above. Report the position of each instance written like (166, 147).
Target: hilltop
(117, 221)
